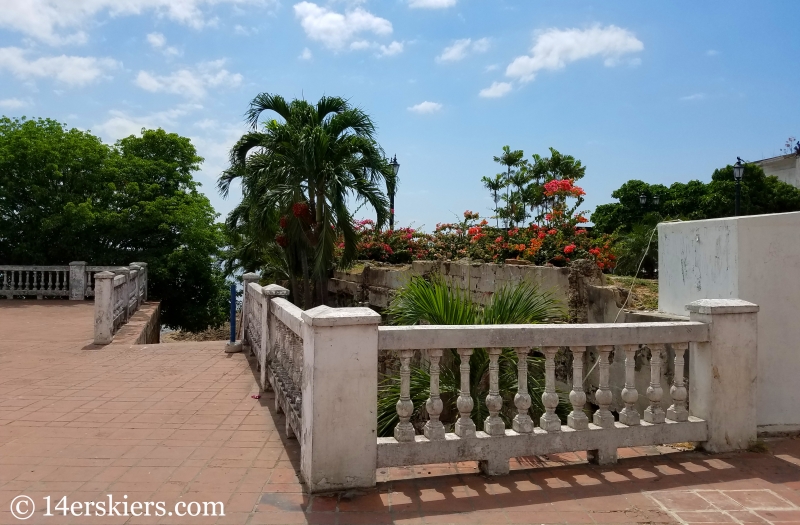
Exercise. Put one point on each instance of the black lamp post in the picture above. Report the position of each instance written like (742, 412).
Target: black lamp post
(391, 188)
(656, 199)
(738, 173)
(642, 199)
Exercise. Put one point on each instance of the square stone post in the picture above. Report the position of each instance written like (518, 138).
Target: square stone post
(77, 280)
(340, 405)
(247, 279)
(723, 372)
(135, 284)
(103, 308)
(126, 272)
(143, 279)
(269, 292)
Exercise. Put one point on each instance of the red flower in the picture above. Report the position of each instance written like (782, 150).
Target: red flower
(282, 241)
(498, 240)
(542, 235)
(582, 219)
(569, 248)
(284, 222)
(552, 232)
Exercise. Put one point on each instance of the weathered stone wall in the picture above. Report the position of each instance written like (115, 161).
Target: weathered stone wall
(375, 284)
(143, 328)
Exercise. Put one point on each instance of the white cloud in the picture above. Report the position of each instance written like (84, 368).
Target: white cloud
(121, 124)
(159, 41)
(461, 48)
(12, 103)
(555, 48)
(695, 96)
(192, 83)
(395, 48)
(424, 108)
(712, 53)
(244, 31)
(336, 30)
(306, 55)
(496, 90)
(71, 70)
(431, 4)
(65, 21)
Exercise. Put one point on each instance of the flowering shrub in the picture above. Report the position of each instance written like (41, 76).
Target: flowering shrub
(557, 241)
(401, 245)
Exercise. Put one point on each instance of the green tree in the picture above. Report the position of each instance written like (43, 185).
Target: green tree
(495, 186)
(65, 196)
(511, 160)
(695, 200)
(545, 169)
(304, 170)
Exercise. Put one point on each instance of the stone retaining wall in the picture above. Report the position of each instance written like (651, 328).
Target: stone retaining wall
(375, 284)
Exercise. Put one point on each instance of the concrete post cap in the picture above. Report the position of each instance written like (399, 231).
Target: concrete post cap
(275, 290)
(104, 275)
(249, 277)
(78, 263)
(137, 263)
(722, 306)
(327, 316)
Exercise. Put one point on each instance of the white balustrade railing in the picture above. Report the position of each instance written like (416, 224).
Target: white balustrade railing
(322, 365)
(74, 281)
(39, 281)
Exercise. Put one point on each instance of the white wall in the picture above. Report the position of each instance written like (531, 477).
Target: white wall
(755, 258)
(786, 168)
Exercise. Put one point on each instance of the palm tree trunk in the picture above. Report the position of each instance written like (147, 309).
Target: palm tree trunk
(306, 280)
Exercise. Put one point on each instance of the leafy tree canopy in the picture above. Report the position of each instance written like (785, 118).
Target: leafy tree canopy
(66, 196)
(695, 200)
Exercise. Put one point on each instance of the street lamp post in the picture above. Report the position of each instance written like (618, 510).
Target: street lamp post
(642, 199)
(391, 188)
(738, 173)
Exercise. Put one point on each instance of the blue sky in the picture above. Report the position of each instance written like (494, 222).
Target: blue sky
(659, 91)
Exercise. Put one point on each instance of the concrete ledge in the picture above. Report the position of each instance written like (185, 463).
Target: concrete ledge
(477, 336)
(722, 306)
(143, 328)
(288, 314)
(327, 316)
(392, 453)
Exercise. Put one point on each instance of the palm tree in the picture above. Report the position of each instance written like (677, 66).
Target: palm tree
(509, 159)
(495, 185)
(433, 302)
(303, 170)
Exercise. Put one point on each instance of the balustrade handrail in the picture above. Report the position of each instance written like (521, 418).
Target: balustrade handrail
(322, 365)
(536, 335)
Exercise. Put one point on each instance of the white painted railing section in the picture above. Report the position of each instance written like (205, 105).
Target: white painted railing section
(322, 365)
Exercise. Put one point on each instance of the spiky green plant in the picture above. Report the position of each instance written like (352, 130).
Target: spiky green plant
(433, 302)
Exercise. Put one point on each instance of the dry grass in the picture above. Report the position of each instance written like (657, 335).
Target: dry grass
(645, 291)
(223, 333)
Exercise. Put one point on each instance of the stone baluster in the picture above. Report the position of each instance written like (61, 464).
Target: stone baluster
(434, 429)
(603, 397)
(465, 427)
(654, 413)
(404, 430)
(297, 376)
(46, 280)
(493, 425)
(630, 415)
(577, 419)
(522, 422)
(549, 420)
(24, 280)
(677, 411)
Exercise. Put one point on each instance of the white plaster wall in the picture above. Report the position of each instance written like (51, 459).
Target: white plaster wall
(755, 258)
(786, 169)
(696, 260)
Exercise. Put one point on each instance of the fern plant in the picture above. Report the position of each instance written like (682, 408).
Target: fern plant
(433, 302)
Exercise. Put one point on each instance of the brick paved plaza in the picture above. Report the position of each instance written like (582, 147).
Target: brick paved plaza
(177, 422)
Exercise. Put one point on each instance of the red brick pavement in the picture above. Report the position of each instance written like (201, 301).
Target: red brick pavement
(177, 423)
